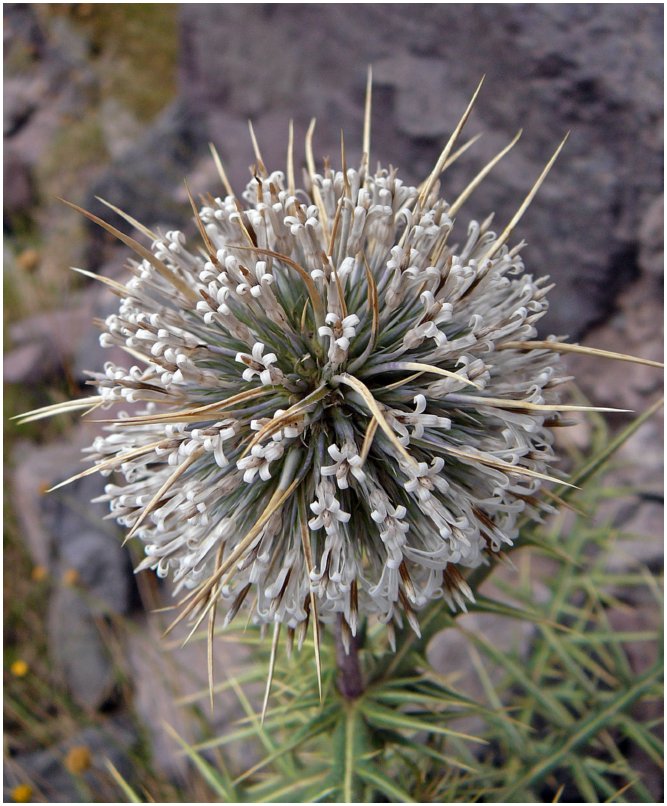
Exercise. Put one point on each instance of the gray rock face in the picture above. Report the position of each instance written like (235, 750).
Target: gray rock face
(594, 70)
(80, 657)
(651, 240)
(52, 84)
(63, 530)
(66, 534)
(18, 185)
(51, 343)
(145, 181)
(45, 343)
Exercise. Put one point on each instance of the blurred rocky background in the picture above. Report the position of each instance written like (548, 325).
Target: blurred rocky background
(120, 102)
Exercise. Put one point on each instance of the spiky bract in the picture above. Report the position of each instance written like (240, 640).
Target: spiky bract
(333, 408)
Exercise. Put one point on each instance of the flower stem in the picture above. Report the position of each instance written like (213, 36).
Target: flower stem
(350, 681)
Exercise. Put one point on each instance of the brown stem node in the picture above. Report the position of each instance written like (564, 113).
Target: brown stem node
(350, 680)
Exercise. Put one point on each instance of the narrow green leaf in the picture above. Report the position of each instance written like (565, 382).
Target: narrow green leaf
(642, 795)
(411, 697)
(391, 737)
(549, 704)
(219, 782)
(279, 713)
(264, 737)
(484, 604)
(601, 779)
(583, 778)
(514, 733)
(251, 676)
(642, 736)
(619, 768)
(318, 795)
(285, 790)
(372, 775)
(127, 790)
(584, 730)
(541, 543)
(604, 637)
(385, 717)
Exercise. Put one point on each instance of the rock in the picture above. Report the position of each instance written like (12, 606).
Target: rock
(120, 128)
(46, 770)
(651, 240)
(54, 335)
(419, 84)
(63, 529)
(54, 86)
(146, 179)
(79, 655)
(28, 364)
(34, 470)
(51, 341)
(69, 46)
(156, 689)
(21, 98)
(645, 528)
(22, 36)
(103, 568)
(67, 534)
(452, 654)
(635, 330)
(638, 467)
(18, 185)
(449, 651)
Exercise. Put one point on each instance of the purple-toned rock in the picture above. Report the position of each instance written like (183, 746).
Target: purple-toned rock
(63, 530)
(19, 194)
(28, 364)
(45, 345)
(92, 574)
(651, 240)
(80, 658)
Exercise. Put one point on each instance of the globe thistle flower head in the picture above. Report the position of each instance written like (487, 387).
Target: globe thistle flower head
(333, 404)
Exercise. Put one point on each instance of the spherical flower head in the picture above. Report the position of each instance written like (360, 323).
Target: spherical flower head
(330, 407)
